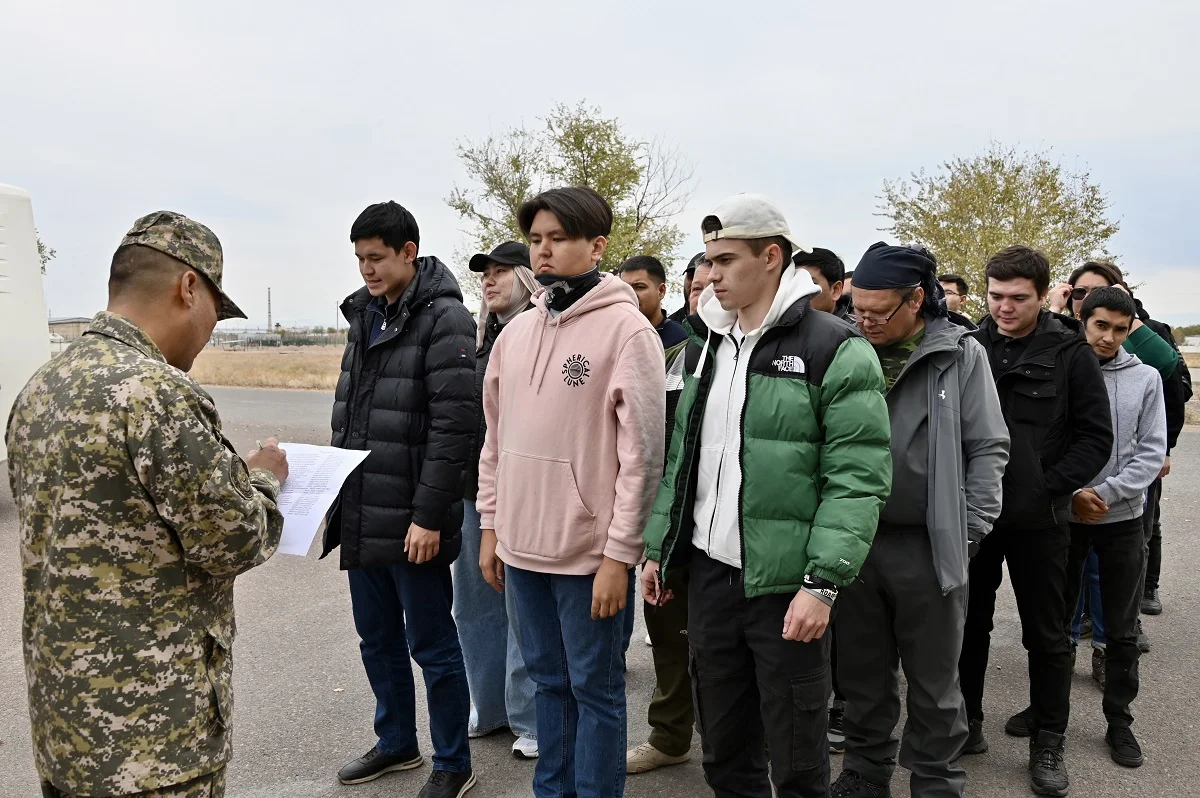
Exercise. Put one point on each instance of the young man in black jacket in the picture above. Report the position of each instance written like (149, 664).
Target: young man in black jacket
(407, 394)
(1056, 407)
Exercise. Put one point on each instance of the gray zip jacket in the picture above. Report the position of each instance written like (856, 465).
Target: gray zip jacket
(1139, 421)
(947, 388)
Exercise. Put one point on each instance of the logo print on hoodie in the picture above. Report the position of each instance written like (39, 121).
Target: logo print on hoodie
(576, 370)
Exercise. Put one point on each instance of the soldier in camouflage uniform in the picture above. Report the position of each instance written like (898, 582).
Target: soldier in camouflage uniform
(136, 513)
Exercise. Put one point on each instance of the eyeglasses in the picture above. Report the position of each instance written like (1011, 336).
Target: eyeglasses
(952, 293)
(876, 321)
(1082, 292)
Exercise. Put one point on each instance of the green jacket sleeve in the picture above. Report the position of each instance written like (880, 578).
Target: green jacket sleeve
(856, 463)
(1153, 351)
(225, 516)
(660, 515)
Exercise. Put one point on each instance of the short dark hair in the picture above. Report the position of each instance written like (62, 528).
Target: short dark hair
(139, 269)
(1019, 261)
(1108, 271)
(645, 263)
(581, 211)
(1110, 298)
(389, 221)
(959, 282)
(823, 260)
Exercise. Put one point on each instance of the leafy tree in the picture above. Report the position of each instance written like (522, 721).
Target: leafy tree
(45, 253)
(973, 207)
(647, 183)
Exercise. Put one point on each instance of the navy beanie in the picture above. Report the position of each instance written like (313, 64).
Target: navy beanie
(884, 266)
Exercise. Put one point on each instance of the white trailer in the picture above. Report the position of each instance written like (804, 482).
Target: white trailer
(24, 333)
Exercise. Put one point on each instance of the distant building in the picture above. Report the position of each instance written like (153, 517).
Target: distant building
(71, 329)
(1192, 340)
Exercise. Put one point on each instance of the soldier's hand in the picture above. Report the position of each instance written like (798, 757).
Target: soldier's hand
(422, 544)
(270, 457)
(806, 618)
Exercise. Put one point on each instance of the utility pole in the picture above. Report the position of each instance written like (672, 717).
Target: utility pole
(269, 327)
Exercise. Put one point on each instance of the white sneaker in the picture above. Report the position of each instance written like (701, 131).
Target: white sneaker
(525, 748)
(646, 757)
(648, 641)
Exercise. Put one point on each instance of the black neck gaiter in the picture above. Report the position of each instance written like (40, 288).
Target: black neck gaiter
(563, 292)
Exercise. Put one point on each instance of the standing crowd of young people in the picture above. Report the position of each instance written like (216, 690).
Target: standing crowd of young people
(820, 473)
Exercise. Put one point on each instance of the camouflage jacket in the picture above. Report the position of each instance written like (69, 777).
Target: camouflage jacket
(135, 514)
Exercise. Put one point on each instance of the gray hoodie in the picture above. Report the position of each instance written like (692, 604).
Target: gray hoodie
(1139, 421)
(945, 410)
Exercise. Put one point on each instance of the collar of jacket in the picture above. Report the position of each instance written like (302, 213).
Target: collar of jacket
(1053, 334)
(122, 329)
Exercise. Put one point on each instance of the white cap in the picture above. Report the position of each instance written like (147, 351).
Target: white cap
(745, 216)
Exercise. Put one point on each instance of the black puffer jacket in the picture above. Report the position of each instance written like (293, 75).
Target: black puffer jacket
(1056, 408)
(410, 399)
(482, 356)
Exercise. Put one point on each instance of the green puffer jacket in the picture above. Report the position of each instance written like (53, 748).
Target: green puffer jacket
(815, 458)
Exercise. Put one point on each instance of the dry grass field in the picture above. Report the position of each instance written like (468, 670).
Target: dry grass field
(300, 367)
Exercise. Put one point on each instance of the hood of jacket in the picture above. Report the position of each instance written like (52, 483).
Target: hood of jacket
(794, 285)
(611, 291)
(432, 279)
(1121, 362)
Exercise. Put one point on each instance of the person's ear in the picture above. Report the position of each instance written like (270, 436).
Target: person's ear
(599, 244)
(410, 252)
(662, 291)
(837, 289)
(188, 288)
(918, 297)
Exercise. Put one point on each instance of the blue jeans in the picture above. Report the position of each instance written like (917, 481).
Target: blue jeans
(578, 666)
(401, 610)
(1090, 591)
(501, 690)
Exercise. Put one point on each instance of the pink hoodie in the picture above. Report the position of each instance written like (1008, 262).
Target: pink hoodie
(575, 410)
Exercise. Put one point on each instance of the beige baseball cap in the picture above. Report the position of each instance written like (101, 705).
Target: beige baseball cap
(744, 216)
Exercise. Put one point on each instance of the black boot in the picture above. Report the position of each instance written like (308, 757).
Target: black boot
(1151, 603)
(977, 742)
(851, 785)
(1020, 724)
(1047, 771)
(1123, 746)
(837, 734)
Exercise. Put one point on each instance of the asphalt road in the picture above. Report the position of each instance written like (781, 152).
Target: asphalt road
(304, 707)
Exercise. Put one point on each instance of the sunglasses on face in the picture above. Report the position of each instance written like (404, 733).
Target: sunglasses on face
(1081, 292)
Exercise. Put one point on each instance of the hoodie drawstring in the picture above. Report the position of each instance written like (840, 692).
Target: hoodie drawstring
(546, 365)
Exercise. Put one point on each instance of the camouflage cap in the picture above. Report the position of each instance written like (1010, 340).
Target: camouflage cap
(189, 241)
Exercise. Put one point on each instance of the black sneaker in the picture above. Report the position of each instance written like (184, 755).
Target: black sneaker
(837, 733)
(1047, 771)
(977, 742)
(1085, 627)
(1098, 671)
(1143, 639)
(1020, 724)
(851, 785)
(444, 784)
(375, 763)
(1123, 746)
(1151, 605)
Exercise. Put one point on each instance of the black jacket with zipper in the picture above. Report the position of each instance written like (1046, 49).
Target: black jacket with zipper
(482, 356)
(1058, 416)
(1177, 390)
(409, 398)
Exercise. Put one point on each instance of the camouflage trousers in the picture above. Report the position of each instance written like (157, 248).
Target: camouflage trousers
(210, 786)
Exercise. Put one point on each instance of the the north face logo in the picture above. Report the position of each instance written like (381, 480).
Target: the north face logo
(789, 364)
(576, 371)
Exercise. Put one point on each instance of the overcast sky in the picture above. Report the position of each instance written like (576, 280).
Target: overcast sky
(276, 123)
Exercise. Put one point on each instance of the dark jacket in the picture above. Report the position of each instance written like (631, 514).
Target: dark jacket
(1056, 408)
(949, 445)
(410, 399)
(1177, 388)
(482, 356)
